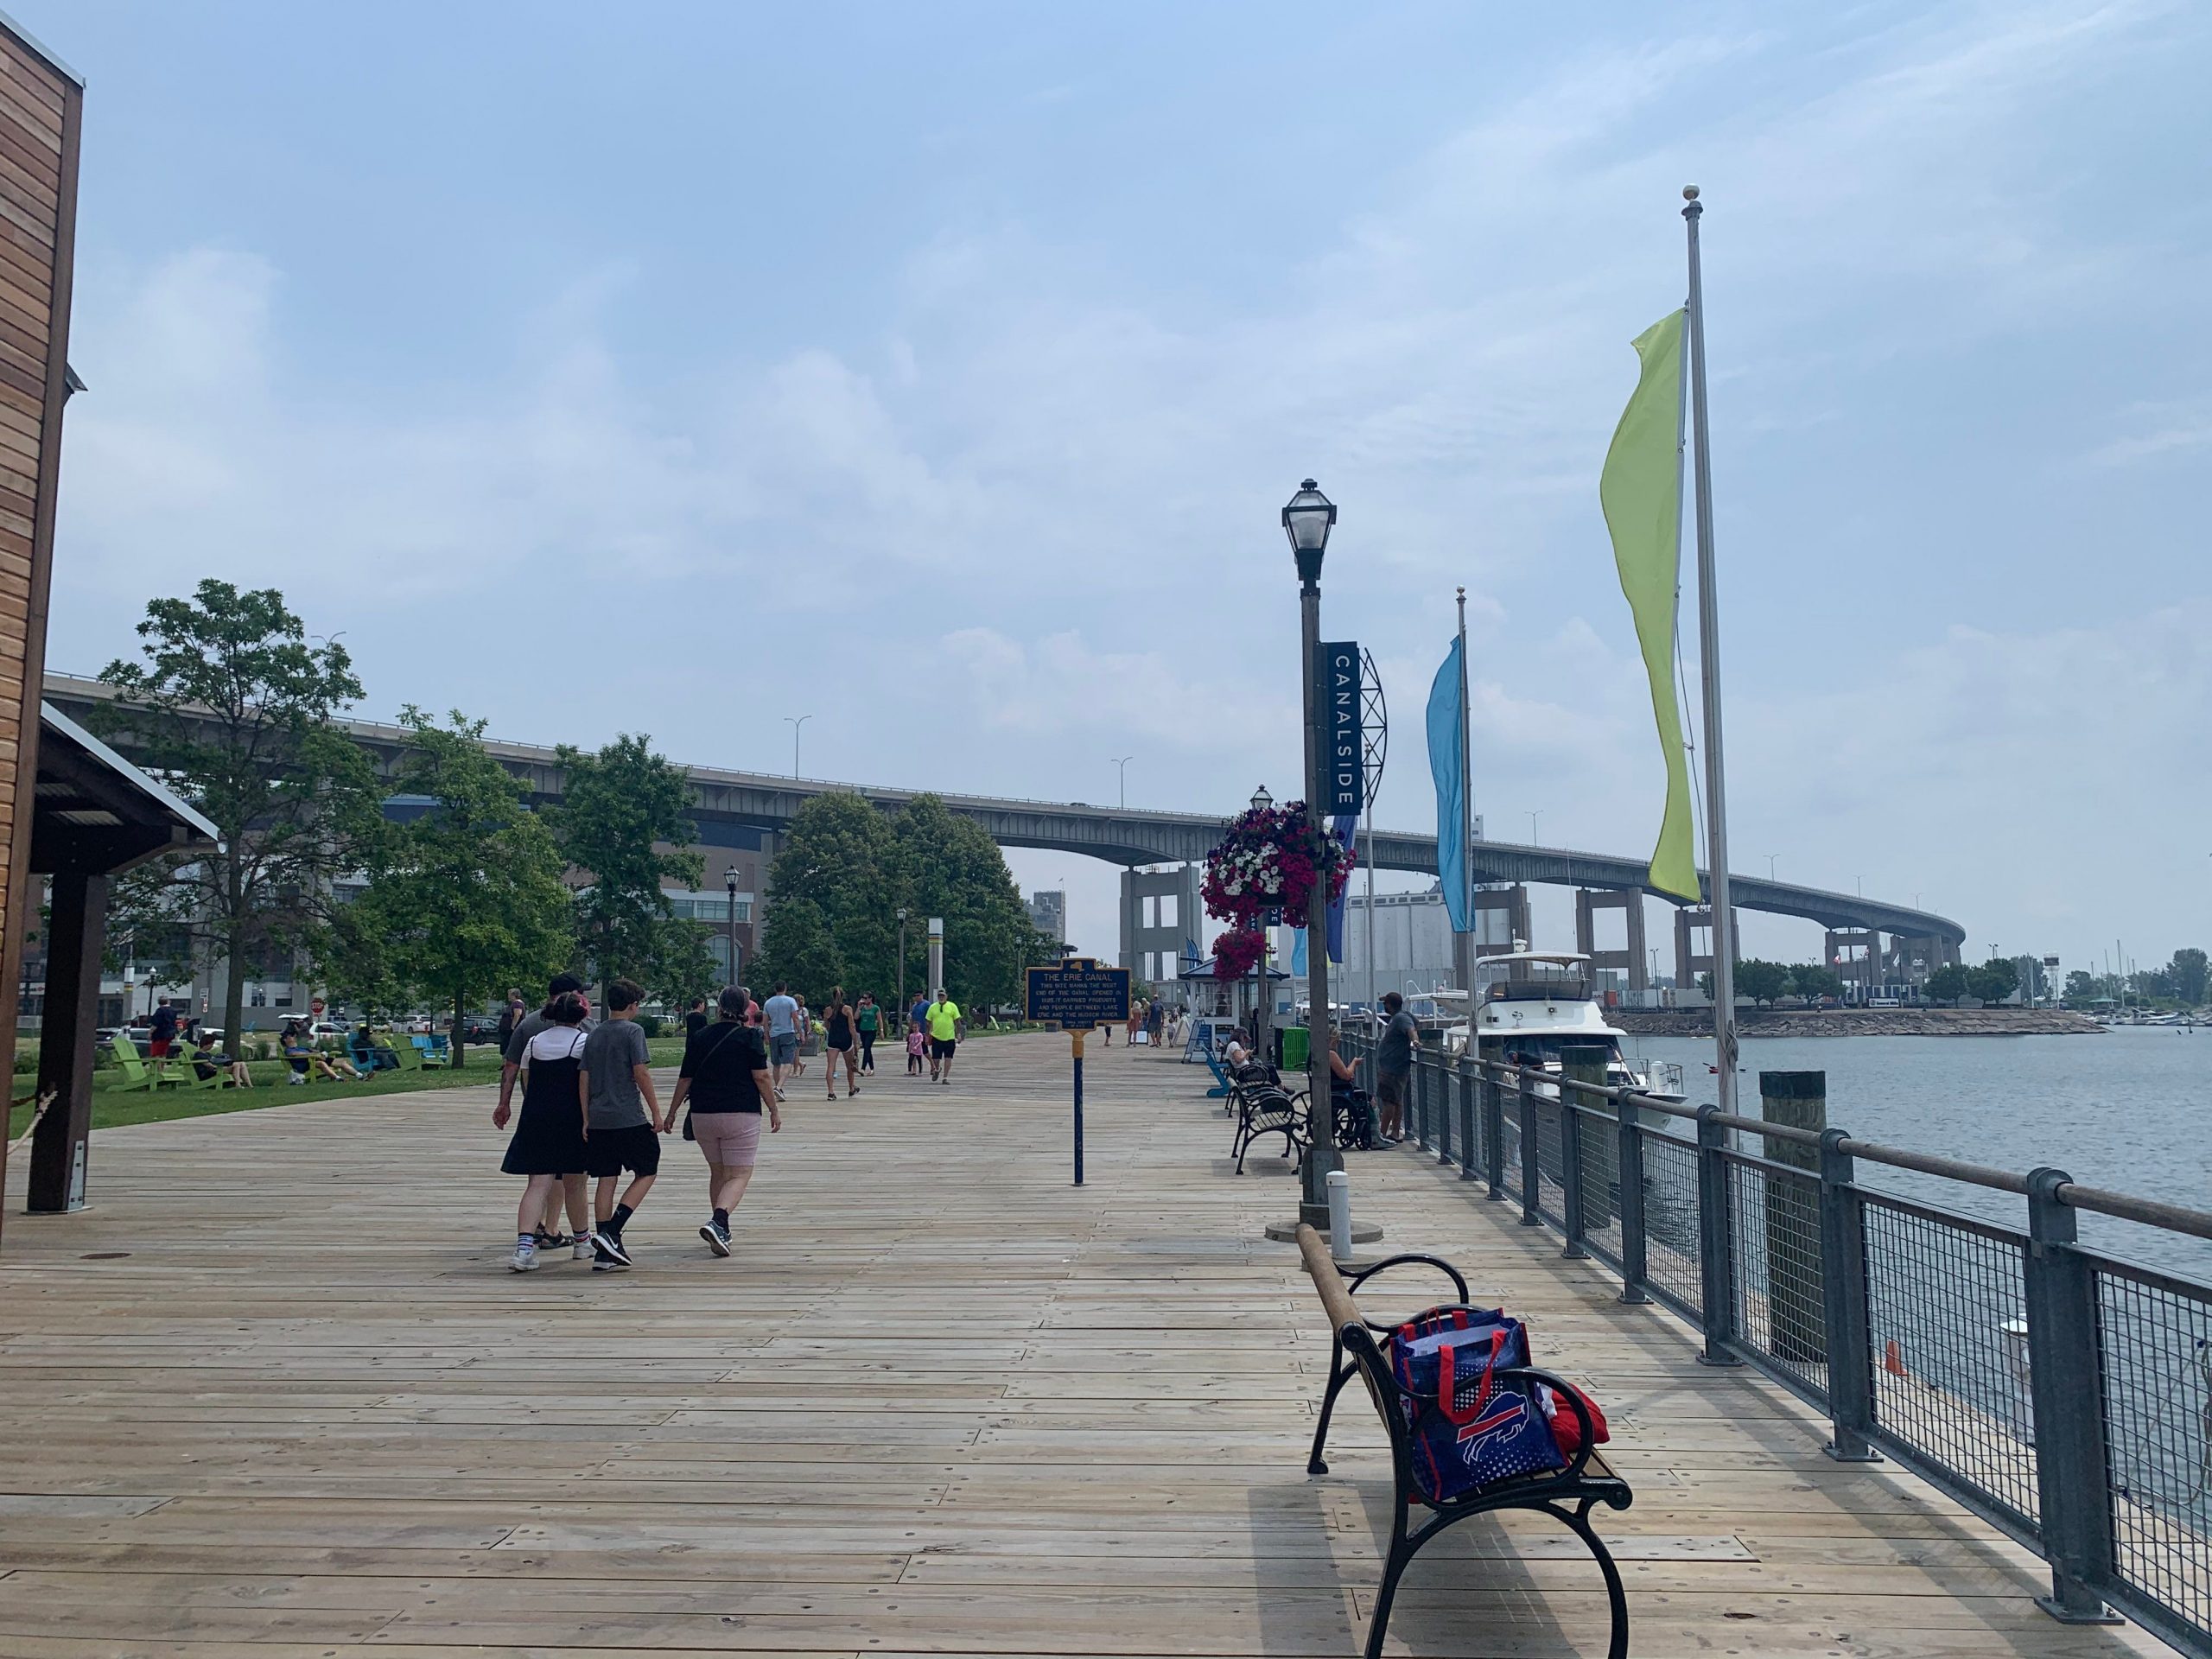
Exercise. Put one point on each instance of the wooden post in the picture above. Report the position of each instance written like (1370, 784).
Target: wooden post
(1795, 1314)
(67, 1039)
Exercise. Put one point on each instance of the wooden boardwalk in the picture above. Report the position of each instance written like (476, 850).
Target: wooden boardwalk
(276, 1394)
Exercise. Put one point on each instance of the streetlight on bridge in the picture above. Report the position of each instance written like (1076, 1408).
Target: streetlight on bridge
(795, 721)
(1123, 761)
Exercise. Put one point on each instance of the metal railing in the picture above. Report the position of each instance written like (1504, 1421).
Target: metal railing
(2060, 1393)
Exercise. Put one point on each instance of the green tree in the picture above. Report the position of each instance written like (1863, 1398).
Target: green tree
(1994, 980)
(2187, 971)
(465, 899)
(624, 817)
(1946, 984)
(1760, 979)
(233, 706)
(2081, 988)
(797, 949)
(840, 859)
(1812, 980)
(955, 870)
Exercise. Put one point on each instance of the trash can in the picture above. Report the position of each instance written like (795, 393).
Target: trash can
(1294, 1049)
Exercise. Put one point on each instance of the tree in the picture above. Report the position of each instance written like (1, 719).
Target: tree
(2080, 987)
(466, 900)
(1813, 980)
(797, 949)
(841, 860)
(621, 810)
(1760, 979)
(233, 707)
(954, 870)
(2187, 971)
(1994, 980)
(1946, 984)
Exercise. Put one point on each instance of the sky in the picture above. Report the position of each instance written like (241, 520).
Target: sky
(939, 373)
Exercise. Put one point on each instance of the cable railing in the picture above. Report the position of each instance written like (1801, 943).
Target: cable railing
(2060, 1392)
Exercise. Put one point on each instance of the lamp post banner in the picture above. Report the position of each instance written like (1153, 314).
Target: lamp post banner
(1345, 779)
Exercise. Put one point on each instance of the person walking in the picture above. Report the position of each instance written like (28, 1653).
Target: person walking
(623, 1121)
(1155, 1023)
(161, 1034)
(549, 1141)
(1135, 1022)
(802, 1025)
(726, 1077)
(1393, 1066)
(695, 1018)
(917, 1047)
(918, 1017)
(572, 1197)
(781, 1012)
(510, 1016)
(839, 1042)
(944, 1024)
(867, 1020)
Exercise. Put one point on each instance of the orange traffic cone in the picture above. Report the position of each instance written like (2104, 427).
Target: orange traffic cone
(1892, 1361)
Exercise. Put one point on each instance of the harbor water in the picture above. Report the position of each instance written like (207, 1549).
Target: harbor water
(2125, 1110)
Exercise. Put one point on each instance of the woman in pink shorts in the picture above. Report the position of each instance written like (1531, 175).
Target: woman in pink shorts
(725, 1077)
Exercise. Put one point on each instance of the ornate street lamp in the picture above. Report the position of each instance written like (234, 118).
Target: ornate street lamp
(1307, 518)
(730, 883)
(902, 969)
(1261, 799)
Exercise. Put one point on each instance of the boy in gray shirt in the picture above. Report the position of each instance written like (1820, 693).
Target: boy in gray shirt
(624, 1123)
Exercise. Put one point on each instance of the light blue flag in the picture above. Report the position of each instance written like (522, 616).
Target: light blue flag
(1446, 715)
(1298, 950)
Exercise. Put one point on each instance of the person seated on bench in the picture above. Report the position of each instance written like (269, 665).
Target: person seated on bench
(206, 1062)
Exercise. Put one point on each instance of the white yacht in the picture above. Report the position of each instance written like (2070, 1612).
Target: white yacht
(1530, 1003)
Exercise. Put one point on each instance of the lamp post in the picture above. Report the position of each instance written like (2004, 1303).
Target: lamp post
(1262, 801)
(795, 721)
(1123, 761)
(1307, 518)
(902, 969)
(729, 885)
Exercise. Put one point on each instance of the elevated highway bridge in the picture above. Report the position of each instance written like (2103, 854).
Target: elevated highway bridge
(744, 807)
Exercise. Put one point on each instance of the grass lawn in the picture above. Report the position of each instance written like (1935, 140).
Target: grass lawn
(112, 1107)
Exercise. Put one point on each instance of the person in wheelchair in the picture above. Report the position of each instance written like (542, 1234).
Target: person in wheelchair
(1351, 1111)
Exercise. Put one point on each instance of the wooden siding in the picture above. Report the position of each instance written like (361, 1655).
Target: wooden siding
(40, 113)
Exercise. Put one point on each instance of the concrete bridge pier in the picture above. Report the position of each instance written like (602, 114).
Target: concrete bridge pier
(1159, 910)
(1855, 953)
(1588, 902)
(1691, 920)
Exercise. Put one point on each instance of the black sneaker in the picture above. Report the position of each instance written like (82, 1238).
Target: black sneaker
(608, 1252)
(717, 1237)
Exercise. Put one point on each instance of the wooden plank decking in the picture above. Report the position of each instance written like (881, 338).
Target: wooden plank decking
(939, 1403)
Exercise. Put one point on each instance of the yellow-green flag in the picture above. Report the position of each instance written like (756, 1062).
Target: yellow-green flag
(1642, 491)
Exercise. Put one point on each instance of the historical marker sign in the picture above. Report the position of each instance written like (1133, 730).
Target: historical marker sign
(1077, 994)
(1345, 785)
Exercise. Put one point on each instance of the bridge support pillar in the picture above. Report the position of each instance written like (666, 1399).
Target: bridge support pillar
(1500, 916)
(1689, 962)
(1633, 956)
(1159, 911)
(1855, 953)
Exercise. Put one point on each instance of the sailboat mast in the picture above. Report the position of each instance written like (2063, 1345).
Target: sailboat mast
(1709, 640)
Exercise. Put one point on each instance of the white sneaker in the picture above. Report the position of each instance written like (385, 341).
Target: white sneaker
(583, 1251)
(525, 1259)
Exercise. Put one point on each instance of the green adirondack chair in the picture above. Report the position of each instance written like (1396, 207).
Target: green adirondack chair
(137, 1075)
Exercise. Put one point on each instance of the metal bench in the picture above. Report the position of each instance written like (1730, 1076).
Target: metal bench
(1263, 1107)
(1567, 1495)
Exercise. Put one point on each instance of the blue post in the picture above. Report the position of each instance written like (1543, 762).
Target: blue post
(1078, 1107)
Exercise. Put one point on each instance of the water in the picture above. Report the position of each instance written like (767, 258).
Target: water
(2125, 1110)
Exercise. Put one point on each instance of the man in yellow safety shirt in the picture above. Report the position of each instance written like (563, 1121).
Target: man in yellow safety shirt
(945, 1023)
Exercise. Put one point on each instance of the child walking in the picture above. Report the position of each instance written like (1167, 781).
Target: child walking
(548, 1139)
(622, 1114)
(914, 1042)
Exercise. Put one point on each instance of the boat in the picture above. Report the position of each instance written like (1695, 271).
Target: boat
(1529, 1004)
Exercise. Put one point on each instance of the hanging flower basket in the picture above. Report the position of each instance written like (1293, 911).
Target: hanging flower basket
(1236, 952)
(1265, 861)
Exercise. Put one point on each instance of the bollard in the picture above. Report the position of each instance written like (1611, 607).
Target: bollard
(1340, 1215)
(1795, 1299)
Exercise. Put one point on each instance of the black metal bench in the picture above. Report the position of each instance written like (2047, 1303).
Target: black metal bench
(1567, 1495)
(1263, 1107)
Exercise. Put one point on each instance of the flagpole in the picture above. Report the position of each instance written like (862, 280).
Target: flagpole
(1708, 641)
(1466, 966)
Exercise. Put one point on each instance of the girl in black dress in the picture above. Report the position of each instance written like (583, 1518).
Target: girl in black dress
(839, 1039)
(549, 1137)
